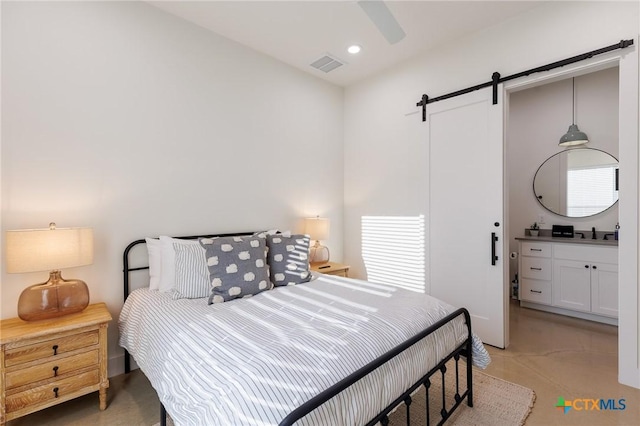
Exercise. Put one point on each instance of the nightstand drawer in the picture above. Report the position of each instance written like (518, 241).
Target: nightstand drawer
(331, 268)
(49, 370)
(59, 389)
(39, 349)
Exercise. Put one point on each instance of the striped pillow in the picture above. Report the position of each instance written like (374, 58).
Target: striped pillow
(168, 256)
(192, 274)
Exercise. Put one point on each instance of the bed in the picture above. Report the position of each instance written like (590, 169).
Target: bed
(330, 351)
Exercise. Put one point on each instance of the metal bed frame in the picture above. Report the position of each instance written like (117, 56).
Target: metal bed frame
(464, 349)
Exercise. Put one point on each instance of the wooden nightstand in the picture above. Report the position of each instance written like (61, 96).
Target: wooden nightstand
(44, 363)
(331, 268)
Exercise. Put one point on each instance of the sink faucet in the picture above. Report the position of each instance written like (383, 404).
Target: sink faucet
(593, 233)
(605, 236)
(581, 235)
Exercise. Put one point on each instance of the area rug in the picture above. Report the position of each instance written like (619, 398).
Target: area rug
(495, 402)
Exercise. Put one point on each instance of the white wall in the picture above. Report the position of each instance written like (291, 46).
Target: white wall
(537, 118)
(118, 116)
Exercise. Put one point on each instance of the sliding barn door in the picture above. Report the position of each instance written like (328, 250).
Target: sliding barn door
(465, 220)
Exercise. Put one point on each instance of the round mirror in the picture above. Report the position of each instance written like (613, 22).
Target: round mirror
(578, 182)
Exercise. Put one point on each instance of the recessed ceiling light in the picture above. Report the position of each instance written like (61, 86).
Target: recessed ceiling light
(354, 49)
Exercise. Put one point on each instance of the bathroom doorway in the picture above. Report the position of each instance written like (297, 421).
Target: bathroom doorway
(538, 112)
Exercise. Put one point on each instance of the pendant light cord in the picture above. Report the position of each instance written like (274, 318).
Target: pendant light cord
(573, 99)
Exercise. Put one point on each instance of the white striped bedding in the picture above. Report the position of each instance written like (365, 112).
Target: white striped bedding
(252, 361)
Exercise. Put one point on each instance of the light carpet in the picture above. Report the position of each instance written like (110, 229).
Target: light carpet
(495, 402)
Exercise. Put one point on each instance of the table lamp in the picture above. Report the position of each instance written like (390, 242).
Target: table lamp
(33, 250)
(318, 229)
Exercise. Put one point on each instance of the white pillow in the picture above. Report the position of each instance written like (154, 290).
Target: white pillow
(154, 247)
(168, 277)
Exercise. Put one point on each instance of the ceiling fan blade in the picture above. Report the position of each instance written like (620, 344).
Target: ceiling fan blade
(382, 17)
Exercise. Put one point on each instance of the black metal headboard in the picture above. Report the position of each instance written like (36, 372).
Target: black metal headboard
(127, 269)
(125, 257)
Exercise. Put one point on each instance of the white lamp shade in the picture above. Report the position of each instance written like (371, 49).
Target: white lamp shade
(317, 228)
(32, 250)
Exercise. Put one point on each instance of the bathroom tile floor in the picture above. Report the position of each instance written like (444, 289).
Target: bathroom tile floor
(554, 355)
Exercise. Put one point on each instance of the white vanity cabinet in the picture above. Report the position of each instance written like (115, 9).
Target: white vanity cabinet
(572, 279)
(572, 288)
(604, 289)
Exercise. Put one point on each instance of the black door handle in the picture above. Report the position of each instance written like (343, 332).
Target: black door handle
(494, 238)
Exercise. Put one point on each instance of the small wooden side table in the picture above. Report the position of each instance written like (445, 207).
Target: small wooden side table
(331, 268)
(44, 363)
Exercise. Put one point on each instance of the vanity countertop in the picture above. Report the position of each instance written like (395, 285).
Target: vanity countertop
(574, 240)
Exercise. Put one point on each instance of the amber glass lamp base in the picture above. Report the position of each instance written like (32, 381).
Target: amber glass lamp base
(55, 298)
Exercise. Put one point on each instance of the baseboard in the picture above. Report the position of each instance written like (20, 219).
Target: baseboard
(570, 313)
(115, 365)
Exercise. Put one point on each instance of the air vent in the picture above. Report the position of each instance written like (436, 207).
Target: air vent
(327, 63)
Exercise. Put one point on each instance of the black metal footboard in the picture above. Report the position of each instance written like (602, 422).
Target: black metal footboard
(464, 349)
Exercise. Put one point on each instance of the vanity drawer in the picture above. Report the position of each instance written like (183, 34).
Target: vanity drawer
(536, 249)
(536, 291)
(586, 253)
(536, 268)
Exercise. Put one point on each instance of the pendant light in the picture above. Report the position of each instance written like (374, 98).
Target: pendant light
(573, 136)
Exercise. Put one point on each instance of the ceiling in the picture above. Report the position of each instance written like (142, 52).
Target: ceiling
(300, 32)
